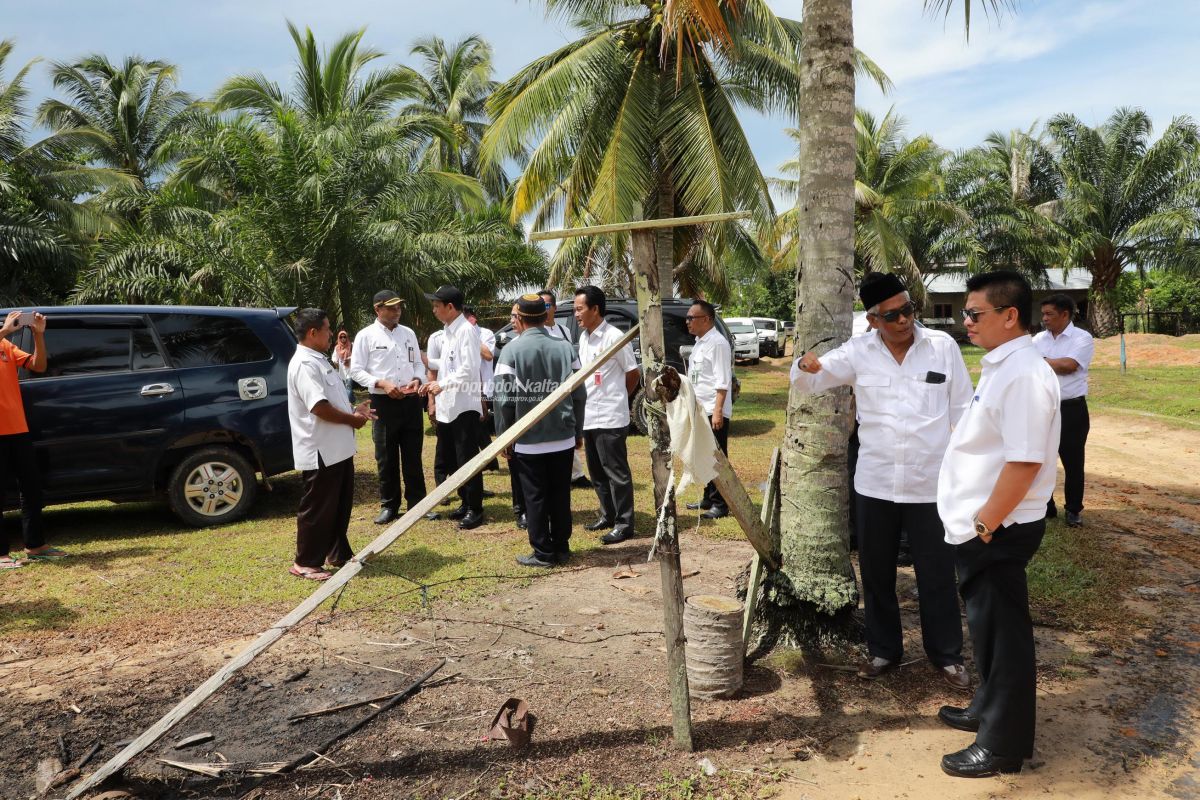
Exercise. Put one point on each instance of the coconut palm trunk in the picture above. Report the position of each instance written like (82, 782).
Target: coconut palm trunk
(814, 593)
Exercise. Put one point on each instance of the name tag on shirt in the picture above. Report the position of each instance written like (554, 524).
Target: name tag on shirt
(596, 376)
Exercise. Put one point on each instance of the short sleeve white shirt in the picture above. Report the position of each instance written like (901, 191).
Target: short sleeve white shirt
(710, 369)
(382, 354)
(433, 350)
(459, 374)
(905, 410)
(487, 368)
(1076, 344)
(1013, 417)
(607, 399)
(310, 380)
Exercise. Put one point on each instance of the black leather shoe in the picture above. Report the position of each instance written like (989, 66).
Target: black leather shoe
(697, 507)
(958, 718)
(470, 521)
(598, 525)
(979, 762)
(1074, 520)
(433, 515)
(386, 515)
(581, 483)
(532, 560)
(714, 513)
(457, 513)
(447, 500)
(523, 522)
(616, 537)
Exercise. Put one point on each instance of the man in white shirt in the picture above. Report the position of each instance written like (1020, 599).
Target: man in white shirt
(457, 392)
(386, 359)
(487, 356)
(1068, 350)
(993, 486)
(606, 415)
(579, 478)
(911, 386)
(323, 425)
(710, 370)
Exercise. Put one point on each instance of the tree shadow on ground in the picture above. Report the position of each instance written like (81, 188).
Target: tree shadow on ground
(415, 563)
(42, 614)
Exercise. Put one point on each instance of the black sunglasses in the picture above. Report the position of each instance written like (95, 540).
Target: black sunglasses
(974, 314)
(909, 310)
(690, 318)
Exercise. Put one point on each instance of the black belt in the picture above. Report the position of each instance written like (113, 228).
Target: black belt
(1074, 401)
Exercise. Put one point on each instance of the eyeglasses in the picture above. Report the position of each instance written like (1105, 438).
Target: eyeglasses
(909, 310)
(974, 314)
(690, 318)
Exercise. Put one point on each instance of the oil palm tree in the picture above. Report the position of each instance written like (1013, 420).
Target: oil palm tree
(1127, 201)
(638, 117)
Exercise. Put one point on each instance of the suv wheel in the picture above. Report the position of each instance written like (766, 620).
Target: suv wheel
(213, 486)
(637, 412)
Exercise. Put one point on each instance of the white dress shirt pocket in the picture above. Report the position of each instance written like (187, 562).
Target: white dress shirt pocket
(932, 399)
(873, 392)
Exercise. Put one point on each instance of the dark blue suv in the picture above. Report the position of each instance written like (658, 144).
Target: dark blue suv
(140, 402)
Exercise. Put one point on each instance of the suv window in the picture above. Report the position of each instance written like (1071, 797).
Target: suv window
(90, 346)
(200, 340)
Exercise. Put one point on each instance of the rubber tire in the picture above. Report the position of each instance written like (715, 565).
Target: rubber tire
(753, 361)
(637, 412)
(175, 487)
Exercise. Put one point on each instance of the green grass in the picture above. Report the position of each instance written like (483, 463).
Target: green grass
(1076, 584)
(135, 560)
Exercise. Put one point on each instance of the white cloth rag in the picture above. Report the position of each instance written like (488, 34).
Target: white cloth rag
(692, 439)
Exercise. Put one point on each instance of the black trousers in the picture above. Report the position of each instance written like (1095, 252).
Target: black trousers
(546, 487)
(1075, 426)
(518, 496)
(464, 441)
(399, 435)
(712, 498)
(324, 514)
(443, 451)
(485, 433)
(608, 466)
(18, 465)
(880, 523)
(992, 580)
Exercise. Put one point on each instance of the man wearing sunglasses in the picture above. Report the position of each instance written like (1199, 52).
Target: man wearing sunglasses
(911, 386)
(993, 486)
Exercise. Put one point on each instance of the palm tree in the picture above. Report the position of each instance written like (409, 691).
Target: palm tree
(316, 198)
(1127, 202)
(454, 87)
(814, 593)
(120, 116)
(638, 118)
(903, 222)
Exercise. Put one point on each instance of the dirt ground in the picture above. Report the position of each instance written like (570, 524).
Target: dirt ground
(1117, 710)
(1148, 350)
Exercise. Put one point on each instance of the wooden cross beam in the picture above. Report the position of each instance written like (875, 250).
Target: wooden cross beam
(649, 297)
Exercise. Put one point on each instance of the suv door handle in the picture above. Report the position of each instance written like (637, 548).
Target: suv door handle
(156, 389)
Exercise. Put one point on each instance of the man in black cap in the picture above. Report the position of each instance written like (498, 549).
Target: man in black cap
(911, 386)
(387, 360)
(457, 394)
(530, 369)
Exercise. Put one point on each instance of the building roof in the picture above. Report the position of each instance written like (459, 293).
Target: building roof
(1074, 280)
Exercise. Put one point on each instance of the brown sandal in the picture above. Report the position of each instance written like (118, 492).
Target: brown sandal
(308, 573)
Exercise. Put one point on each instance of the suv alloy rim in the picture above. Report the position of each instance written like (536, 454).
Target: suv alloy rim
(213, 489)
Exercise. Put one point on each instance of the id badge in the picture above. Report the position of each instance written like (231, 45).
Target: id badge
(596, 376)
(410, 354)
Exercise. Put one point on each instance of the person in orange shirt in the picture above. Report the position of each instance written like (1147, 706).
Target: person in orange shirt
(16, 447)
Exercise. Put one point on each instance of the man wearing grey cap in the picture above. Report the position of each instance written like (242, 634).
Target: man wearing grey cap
(386, 359)
(911, 386)
(457, 394)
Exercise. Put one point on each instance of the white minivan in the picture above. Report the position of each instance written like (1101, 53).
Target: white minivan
(745, 339)
(770, 336)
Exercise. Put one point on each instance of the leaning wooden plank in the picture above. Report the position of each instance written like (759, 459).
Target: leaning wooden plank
(638, 225)
(770, 503)
(346, 573)
(740, 505)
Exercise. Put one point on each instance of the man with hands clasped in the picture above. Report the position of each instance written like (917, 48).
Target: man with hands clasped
(911, 386)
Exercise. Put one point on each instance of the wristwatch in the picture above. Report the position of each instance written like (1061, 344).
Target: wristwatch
(982, 531)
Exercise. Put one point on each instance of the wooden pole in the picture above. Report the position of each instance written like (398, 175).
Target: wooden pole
(667, 546)
(638, 225)
(770, 521)
(346, 573)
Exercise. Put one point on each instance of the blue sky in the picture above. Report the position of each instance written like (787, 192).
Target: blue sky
(1082, 56)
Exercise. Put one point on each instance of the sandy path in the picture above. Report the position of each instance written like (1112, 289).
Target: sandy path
(1129, 728)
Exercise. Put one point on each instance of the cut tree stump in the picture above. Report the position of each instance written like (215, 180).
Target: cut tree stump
(713, 627)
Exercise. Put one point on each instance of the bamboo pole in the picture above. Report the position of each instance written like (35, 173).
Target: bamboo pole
(638, 225)
(667, 545)
(346, 573)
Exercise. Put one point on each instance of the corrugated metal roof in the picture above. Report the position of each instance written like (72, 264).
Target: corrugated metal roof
(1076, 279)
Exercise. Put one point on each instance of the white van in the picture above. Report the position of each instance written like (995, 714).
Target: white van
(745, 338)
(770, 336)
